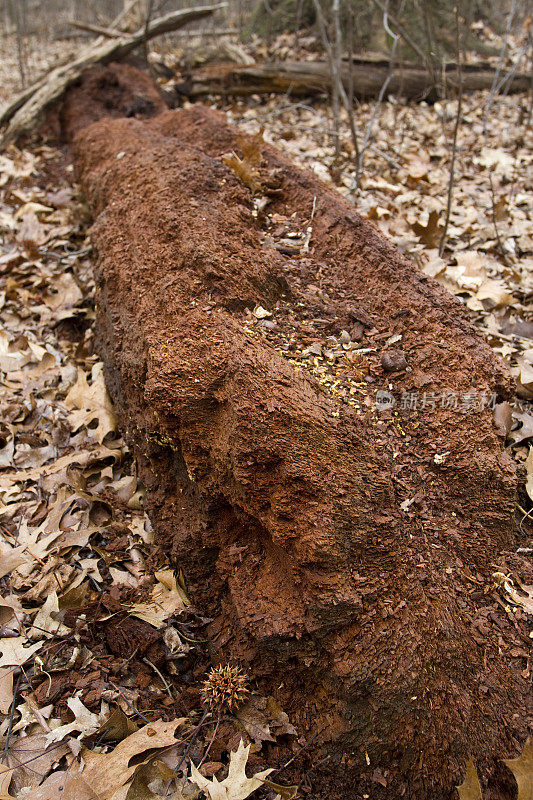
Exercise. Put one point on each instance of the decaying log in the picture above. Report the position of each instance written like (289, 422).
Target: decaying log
(302, 78)
(27, 109)
(342, 551)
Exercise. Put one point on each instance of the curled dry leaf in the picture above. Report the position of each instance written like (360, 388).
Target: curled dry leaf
(6, 774)
(470, 788)
(31, 233)
(529, 469)
(154, 773)
(430, 233)
(264, 719)
(247, 168)
(45, 625)
(91, 403)
(118, 726)
(31, 760)
(100, 775)
(6, 689)
(66, 785)
(14, 653)
(282, 792)
(526, 429)
(167, 598)
(11, 557)
(518, 595)
(237, 786)
(85, 723)
(522, 769)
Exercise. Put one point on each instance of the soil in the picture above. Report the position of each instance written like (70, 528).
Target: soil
(345, 552)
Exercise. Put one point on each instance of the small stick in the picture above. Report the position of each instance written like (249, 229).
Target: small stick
(136, 710)
(494, 222)
(298, 754)
(165, 682)
(495, 88)
(44, 725)
(11, 717)
(383, 89)
(187, 749)
(403, 33)
(454, 142)
(109, 33)
(212, 739)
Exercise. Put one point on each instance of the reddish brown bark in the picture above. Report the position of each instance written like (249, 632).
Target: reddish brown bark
(283, 502)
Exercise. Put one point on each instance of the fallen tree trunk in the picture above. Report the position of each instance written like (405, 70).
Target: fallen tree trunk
(27, 109)
(314, 77)
(335, 541)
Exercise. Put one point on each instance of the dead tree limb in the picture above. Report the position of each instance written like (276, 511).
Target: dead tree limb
(24, 113)
(108, 33)
(306, 78)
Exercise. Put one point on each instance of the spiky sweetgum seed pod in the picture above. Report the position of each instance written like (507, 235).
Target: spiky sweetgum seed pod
(224, 687)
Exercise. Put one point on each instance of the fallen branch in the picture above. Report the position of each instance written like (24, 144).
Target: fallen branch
(108, 33)
(305, 78)
(24, 113)
(208, 34)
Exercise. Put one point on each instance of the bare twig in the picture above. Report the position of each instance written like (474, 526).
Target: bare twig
(337, 57)
(336, 72)
(501, 60)
(302, 749)
(454, 141)
(193, 738)
(118, 21)
(149, 12)
(15, 7)
(165, 682)
(206, 34)
(30, 702)
(336, 81)
(11, 717)
(495, 223)
(136, 710)
(403, 33)
(370, 126)
(213, 737)
(108, 33)
(351, 116)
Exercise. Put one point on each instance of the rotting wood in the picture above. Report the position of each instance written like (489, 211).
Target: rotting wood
(314, 77)
(334, 545)
(27, 109)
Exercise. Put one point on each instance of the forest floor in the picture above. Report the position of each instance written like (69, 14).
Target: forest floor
(72, 522)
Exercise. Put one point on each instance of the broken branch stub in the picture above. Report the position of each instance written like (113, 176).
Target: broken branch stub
(334, 541)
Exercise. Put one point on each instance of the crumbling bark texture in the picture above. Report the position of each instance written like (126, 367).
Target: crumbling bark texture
(281, 493)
